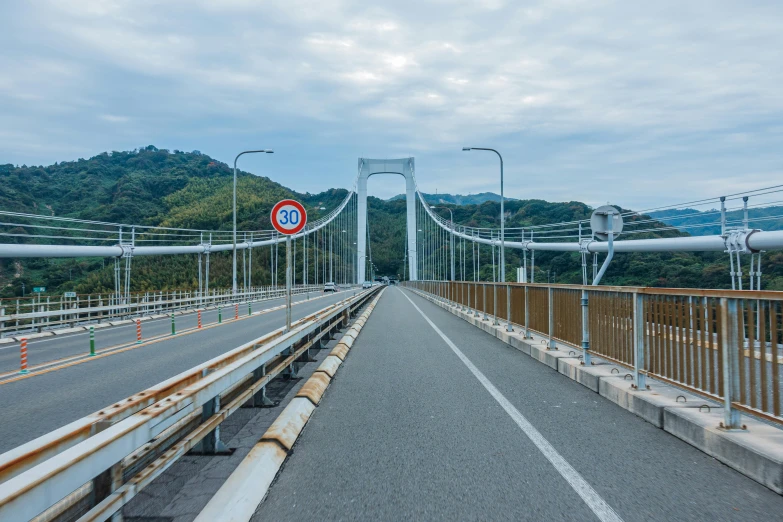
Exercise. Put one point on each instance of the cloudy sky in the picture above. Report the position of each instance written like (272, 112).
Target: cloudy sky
(637, 103)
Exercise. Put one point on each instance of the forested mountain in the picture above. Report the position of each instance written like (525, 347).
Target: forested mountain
(456, 199)
(177, 189)
(707, 222)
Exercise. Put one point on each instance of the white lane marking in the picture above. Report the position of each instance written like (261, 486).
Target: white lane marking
(591, 497)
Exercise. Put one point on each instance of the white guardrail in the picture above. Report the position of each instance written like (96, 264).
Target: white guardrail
(38, 315)
(126, 445)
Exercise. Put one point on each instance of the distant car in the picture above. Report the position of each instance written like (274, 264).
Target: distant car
(367, 284)
(330, 287)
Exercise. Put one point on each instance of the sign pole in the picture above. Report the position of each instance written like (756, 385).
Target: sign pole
(288, 217)
(287, 283)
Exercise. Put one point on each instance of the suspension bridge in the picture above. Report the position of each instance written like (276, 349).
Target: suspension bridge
(462, 393)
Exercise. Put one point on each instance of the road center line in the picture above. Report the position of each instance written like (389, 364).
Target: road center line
(593, 500)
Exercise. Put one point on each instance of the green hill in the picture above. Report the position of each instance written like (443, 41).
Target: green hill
(153, 186)
(456, 199)
(707, 222)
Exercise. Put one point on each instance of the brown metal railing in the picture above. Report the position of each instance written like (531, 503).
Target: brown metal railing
(723, 344)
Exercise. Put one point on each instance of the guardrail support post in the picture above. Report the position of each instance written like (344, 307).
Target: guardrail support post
(585, 330)
(731, 354)
(550, 345)
(109, 481)
(211, 444)
(291, 371)
(260, 400)
(639, 327)
(486, 317)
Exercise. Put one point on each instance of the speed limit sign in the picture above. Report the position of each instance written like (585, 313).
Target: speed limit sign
(289, 217)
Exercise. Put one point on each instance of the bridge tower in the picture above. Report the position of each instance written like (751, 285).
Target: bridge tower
(370, 167)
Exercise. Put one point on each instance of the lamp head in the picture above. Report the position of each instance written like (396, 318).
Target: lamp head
(269, 151)
(465, 148)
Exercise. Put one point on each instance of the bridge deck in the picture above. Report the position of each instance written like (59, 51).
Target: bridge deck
(408, 431)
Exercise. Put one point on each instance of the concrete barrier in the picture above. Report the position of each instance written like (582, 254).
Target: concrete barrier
(287, 427)
(315, 387)
(237, 500)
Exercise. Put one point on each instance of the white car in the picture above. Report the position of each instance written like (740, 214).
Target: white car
(330, 287)
(367, 284)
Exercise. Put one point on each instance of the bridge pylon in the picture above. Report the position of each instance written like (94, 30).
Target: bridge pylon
(370, 167)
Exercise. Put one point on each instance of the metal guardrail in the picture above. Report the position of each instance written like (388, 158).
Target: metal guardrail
(722, 344)
(96, 464)
(19, 315)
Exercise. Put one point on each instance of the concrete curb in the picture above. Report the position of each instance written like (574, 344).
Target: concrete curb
(756, 452)
(239, 497)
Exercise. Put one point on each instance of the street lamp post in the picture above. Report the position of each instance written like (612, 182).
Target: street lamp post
(502, 238)
(234, 263)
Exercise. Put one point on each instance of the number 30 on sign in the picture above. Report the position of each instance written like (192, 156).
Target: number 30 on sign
(289, 217)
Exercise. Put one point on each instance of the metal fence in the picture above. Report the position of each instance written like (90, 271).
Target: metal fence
(39, 313)
(722, 344)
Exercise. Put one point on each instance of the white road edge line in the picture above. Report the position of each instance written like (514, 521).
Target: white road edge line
(593, 500)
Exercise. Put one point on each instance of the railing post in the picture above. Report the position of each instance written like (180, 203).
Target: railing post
(639, 328)
(484, 292)
(527, 314)
(731, 376)
(509, 328)
(551, 302)
(495, 304)
(585, 330)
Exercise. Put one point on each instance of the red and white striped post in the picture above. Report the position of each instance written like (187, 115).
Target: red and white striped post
(236, 311)
(24, 355)
(199, 318)
(138, 331)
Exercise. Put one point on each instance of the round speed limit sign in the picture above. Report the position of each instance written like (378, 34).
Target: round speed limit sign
(289, 217)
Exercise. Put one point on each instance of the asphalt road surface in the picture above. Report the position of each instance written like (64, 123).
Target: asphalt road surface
(460, 426)
(42, 403)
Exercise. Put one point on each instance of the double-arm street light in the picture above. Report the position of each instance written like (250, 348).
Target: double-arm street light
(502, 239)
(451, 243)
(234, 266)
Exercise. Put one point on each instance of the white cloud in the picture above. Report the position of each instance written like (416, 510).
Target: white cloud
(570, 89)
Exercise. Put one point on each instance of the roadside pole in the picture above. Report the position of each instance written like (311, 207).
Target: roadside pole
(288, 217)
(288, 271)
